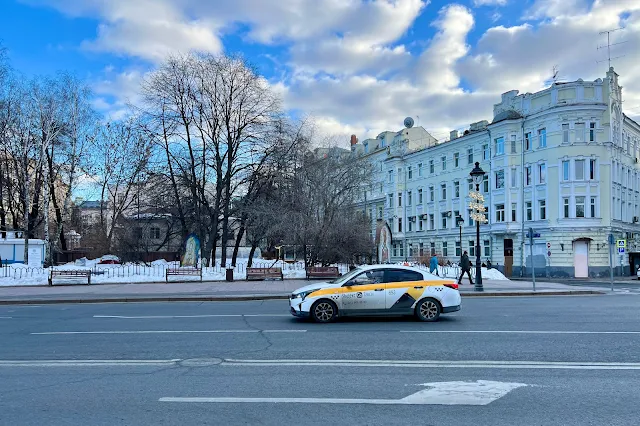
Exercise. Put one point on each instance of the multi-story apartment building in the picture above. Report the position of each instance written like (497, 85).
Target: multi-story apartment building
(563, 161)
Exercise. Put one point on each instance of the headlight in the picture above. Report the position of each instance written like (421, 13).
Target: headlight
(303, 294)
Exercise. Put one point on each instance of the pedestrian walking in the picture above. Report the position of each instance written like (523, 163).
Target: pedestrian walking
(433, 264)
(465, 265)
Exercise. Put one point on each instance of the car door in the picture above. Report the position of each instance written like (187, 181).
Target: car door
(403, 289)
(364, 293)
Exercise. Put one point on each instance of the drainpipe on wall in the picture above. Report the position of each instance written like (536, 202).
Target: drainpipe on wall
(522, 202)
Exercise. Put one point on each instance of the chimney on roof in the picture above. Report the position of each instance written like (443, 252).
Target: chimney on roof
(354, 140)
(453, 135)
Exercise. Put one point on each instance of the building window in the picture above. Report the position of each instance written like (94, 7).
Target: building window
(431, 191)
(390, 175)
(527, 175)
(579, 166)
(445, 250)
(470, 155)
(421, 245)
(444, 191)
(592, 132)
(420, 196)
(529, 210)
(472, 248)
(499, 144)
(542, 204)
(410, 172)
(542, 138)
(409, 197)
(399, 199)
(409, 225)
(487, 248)
(395, 250)
(542, 173)
(456, 189)
(458, 248)
(470, 182)
(444, 163)
(401, 250)
(485, 184)
(485, 151)
(456, 159)
(421, 225)
(514, 212)
(419, 169)
(514, 177)
(390, 199)
(432, 222)
(593, 207)
(399, 224)
(527, 141)
(514, 149)
(565, 170)
(592, 169)
(470, 222)
(579, 132)
(379, 212)
(444, 220)
(500, 179)
(565, 133)
(499, 212)
(579, 206)
(565, 208)
(431, 167)
(432, 246)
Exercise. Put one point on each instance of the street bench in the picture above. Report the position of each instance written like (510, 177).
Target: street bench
(264, 273)
(322, 272)
(73, 274)
(183, 271)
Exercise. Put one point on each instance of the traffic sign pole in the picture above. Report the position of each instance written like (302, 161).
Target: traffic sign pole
(611, 259)
(533, 268)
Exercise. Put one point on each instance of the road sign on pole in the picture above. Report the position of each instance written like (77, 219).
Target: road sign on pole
(621, 243)
(620, 250)
(611, 259)
(533, 268)
(548, 245)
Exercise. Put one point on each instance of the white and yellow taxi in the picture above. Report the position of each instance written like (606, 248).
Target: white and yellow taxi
(377, 290)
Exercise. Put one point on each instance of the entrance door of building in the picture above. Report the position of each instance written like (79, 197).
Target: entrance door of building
(581, 259)
(508, 257)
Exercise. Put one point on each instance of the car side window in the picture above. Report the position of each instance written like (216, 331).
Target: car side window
(367, 277)
(401, 275)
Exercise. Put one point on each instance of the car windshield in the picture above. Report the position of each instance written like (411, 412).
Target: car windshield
(346, 277)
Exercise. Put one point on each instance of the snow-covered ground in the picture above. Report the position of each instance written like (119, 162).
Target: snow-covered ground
(19, 274)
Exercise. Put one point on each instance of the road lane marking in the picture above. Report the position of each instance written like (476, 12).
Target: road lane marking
(435, 364)
(189, 316)
(481, 392)
(6, 317)
(90, 363)
(163, 332)
(516, 332)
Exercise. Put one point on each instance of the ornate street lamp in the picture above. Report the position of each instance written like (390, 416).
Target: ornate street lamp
(478, 209)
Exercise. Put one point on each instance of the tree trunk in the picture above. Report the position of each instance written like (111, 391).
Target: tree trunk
(254, 246)
(236, 247)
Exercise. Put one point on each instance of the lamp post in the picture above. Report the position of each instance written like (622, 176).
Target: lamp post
(477, 174)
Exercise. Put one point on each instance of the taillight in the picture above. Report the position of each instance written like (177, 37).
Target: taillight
(453, 286)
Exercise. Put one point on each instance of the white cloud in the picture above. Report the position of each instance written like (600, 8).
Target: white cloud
(347, 68)
(478, 3)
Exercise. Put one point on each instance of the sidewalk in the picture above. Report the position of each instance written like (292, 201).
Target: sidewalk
(238, 290)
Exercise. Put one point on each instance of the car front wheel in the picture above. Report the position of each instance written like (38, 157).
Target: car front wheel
(324, 311)
(428, 310)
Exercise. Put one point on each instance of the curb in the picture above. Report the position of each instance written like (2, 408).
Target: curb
(250, 297)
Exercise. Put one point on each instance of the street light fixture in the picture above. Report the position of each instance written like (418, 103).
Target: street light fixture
(459, 223)
(477, 174)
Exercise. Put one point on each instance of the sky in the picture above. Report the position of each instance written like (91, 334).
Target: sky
(354, 66)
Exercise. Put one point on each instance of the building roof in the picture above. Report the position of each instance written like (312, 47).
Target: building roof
(90, 204)
(506, 115)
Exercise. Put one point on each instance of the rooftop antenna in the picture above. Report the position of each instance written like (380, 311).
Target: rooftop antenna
(609, 44)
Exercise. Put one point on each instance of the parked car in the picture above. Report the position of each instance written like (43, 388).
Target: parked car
(109, 259)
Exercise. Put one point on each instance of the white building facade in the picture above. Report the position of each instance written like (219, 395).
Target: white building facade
(564, 161)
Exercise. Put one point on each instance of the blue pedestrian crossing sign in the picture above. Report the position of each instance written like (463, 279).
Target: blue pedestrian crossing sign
(621, 244)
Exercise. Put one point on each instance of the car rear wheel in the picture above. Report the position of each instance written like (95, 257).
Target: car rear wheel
(428, 310)
(324, 311)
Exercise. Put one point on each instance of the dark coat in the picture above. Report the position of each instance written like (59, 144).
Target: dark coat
(465, 263)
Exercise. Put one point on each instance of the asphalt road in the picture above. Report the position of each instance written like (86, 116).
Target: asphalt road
(528, 361)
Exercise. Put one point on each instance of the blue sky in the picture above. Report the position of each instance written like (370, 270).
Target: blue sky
(356, 66)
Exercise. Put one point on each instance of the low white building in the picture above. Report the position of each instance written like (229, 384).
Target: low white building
(12, 249)
(563, 161)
